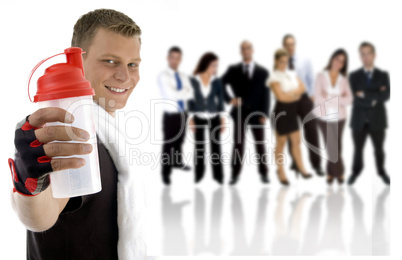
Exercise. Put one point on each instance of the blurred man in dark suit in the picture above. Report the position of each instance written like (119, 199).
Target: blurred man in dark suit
(371, 89)
(250, 107)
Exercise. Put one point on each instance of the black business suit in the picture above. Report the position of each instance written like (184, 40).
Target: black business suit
(369, 116)
(255, 99)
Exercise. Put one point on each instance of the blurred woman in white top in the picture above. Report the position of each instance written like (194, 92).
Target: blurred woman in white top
(287, 88)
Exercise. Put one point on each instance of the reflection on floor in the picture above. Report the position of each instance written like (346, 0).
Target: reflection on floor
(294, 225)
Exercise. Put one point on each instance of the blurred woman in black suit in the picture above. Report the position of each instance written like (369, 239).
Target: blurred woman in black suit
(204, 111)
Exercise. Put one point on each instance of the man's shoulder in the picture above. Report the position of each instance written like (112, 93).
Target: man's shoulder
(261, 68)
(302, 59)
(166, 73)
(307, 62)
(183, 74)
(163, 73)
(355, 72)
(235, 66)
(380, 71)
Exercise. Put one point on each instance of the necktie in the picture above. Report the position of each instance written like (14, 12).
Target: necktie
(246, 72)
(368, 76)
(179, 87)
(291, 65)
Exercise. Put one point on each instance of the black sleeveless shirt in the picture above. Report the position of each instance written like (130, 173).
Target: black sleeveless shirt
(87, 227)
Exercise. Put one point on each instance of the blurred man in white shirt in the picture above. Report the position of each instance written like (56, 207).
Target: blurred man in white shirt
(175, 89)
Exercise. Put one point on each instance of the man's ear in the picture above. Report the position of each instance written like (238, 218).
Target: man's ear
(84, 55)
(84, 59)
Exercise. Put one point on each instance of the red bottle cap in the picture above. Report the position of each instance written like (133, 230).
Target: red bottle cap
(63, 80)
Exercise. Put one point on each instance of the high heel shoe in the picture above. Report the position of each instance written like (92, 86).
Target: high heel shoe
(283, 182)
(304, 175)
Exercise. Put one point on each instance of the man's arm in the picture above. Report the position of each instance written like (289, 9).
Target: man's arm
(167, 92)
(358, 94)
(187, 91)
(385, 90)
(226, 79)
(40, 212)
(362, 99)
(309, 78)
(381, 95)
(220, 97)
(266, 95)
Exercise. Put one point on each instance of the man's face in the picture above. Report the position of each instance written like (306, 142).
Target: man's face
(290, 45)
(246, 50)
(367, 56)
(111, 64)
(174, 59)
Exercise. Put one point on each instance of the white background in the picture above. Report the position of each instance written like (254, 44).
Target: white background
(33, 30)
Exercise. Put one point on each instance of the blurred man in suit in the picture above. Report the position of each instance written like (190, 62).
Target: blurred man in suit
(371, 89)
(250, 107)
(175, 88)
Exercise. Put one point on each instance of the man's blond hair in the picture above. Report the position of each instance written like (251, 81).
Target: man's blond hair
(109, 19)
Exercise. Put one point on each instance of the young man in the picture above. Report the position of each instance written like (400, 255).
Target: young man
(175, 87)
(305, 105)
(84, 227)
(371, 89)
(250, 106)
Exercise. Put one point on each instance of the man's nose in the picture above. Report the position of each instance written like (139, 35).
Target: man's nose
(122, 75)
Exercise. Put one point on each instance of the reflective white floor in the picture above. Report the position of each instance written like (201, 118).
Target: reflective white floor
(284, 222)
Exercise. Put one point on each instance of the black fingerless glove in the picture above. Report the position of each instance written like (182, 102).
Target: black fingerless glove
(31, 167)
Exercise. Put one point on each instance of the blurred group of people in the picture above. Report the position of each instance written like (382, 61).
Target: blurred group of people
(302, 102)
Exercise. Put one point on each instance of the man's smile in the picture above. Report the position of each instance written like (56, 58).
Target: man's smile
(115, 90)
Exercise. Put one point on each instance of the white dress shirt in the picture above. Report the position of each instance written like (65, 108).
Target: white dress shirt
(168, 89)
(370, 71)
(251, 66)
(304, 71)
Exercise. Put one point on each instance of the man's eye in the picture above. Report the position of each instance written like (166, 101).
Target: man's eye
(110, 61)
(132, 65)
